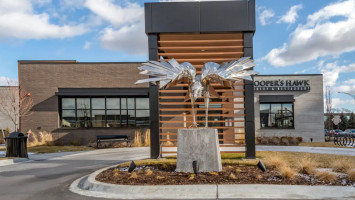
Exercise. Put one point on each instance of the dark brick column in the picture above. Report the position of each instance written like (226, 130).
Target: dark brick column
(154, 101)
(249, 101)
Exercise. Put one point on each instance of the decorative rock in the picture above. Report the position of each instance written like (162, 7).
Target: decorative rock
(200, 144)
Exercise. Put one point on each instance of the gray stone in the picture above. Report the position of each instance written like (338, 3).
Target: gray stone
(200, 144)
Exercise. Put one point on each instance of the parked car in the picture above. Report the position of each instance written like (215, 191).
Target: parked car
(349, 131)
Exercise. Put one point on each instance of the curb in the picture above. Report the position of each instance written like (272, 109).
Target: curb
(13, 161)
(88, 186)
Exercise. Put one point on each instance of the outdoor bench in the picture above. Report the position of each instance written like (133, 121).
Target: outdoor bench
(112, 138)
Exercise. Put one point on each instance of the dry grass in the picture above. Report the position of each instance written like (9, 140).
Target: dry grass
(287, 172)
(293, 158)
(55, 149)
(141, 138)
(275, 162)
(232, 176)
(40, 138)
(343, 164)
(326, 176)
(133, 175)
(214, 173)
(307, 166)
(149, 172)
(351, 174)
(192, 177)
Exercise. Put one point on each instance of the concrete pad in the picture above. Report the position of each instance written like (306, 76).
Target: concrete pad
(200, 144)
(12, 161)
(263, 191)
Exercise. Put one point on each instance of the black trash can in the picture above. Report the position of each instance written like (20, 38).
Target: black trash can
(16, 145)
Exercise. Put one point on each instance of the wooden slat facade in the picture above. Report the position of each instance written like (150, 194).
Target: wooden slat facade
(227, 113)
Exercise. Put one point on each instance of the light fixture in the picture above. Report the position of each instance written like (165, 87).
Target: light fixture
(195, 166)
(261, 166)
(132, 166)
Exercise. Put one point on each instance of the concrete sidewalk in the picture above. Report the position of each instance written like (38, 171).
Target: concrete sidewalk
(321, 150)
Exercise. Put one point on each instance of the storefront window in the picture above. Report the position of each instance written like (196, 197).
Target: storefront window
(104, 112)
(276, 115)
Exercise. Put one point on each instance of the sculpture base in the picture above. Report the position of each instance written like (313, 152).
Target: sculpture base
(200, 144)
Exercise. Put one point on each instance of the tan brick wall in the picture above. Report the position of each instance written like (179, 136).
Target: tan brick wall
(42, 80)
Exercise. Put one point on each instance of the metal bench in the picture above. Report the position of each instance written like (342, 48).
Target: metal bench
(112, 138)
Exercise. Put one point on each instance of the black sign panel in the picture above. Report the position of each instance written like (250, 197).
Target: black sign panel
(282, 85)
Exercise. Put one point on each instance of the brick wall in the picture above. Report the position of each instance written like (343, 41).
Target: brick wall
(43, 78)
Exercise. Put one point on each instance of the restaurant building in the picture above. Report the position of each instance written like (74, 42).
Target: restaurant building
(81, 100)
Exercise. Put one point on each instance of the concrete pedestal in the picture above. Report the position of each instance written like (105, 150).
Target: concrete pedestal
(200, 144)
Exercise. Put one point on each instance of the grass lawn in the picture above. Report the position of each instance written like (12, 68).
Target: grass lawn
(321, 144)
(54, 149)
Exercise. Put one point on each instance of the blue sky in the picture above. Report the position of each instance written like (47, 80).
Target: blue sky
(292, 37)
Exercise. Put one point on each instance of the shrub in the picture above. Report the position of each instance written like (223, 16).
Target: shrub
(351, 174)
(287, 172)
(299, 139)
(326, 176)
(275, 140)
(307, 166)
(284, 141)
(293, 141)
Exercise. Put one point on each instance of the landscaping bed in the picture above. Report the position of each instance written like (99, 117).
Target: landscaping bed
(162, 172)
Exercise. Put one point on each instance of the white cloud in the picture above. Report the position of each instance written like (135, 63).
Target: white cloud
(341, 103)
(328, 32)
(117, 15)
(331, 72)
(126, 33)
(265, 15)
(87, 45)
(19, 20)
(347, 86)
(6, 81)
(130, 39)
(291, 16)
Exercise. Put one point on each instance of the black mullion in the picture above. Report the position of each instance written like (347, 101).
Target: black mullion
(90, 111)
(76, 117)
(105, 113)
(135, 112)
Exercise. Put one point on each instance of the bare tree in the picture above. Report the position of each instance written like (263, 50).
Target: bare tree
(328, 107)
(15, 103)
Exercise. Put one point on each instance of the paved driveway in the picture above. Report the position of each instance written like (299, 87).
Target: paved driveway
(324, 150)
(48, 176)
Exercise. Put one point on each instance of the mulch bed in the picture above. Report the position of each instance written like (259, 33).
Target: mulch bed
(165, 175)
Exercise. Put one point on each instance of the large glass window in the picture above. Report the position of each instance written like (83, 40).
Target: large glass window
(276, 115)
(104, 112)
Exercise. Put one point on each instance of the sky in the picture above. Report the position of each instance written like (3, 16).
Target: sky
(292, 37)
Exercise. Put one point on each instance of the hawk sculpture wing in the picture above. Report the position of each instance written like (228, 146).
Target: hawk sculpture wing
(233, 71)
(167, 73)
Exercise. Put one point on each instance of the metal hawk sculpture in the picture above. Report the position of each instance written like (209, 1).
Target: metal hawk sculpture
(170, 73)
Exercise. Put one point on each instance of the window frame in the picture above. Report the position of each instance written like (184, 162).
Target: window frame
(270, 113)
(121, 124)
